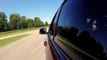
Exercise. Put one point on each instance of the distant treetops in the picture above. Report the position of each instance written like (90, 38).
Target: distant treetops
(17, 21)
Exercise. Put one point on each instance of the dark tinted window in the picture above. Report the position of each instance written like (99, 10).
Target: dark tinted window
(83, 24)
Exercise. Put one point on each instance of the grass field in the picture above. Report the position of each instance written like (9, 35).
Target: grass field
(17, 31)
(12, 39)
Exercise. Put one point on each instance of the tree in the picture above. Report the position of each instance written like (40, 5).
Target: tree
(38, 22)
(30, 23)
(15, 22)
(3, 22)
(46, 23)
(23, 22)
(18, 22)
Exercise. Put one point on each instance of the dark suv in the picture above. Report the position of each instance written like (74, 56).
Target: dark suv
(78, 31)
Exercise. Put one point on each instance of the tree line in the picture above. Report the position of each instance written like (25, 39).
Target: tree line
(16, 21)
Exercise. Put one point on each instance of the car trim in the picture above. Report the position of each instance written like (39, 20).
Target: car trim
(60, 54)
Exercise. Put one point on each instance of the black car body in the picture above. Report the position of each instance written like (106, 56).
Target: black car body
(79, 31)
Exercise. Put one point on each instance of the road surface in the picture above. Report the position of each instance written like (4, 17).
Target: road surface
(28, 48)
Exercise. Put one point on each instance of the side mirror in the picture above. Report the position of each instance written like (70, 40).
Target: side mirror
(43, 31)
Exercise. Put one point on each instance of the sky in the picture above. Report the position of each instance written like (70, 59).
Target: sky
(45, 9)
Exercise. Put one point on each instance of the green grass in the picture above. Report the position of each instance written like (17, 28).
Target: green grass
(12, 39)
(18, 31)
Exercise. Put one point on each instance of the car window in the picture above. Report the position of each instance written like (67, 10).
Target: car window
(54, 22)
(82, 26)
(51, 25)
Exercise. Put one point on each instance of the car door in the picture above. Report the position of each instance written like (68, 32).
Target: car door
(57, 53)
(51, 36)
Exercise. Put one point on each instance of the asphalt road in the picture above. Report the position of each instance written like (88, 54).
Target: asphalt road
(28, 48)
